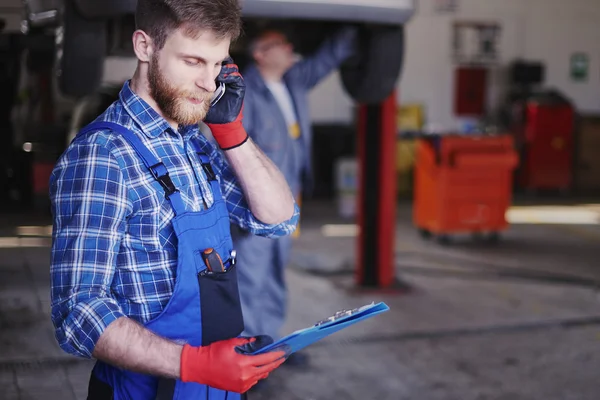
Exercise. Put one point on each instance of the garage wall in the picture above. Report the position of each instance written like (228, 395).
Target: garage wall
(329, 103)
(578, 32)
(544, 30)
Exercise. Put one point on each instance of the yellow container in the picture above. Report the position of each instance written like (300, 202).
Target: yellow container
(405, 161)
(410, 117)
(405, 154)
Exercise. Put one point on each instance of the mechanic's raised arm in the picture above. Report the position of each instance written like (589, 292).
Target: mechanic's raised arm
(264, 187)
(309, 71)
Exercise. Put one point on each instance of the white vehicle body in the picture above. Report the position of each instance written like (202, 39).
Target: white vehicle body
(46, 12)
(372, 11)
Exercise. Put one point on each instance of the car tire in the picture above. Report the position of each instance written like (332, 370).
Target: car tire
(81, 53)
(370, 76)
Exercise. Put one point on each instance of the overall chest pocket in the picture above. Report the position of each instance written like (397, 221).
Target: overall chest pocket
(220, 306)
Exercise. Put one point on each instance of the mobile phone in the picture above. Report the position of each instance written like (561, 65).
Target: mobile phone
(218, 93)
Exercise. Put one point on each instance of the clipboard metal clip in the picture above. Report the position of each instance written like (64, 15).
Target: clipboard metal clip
(342, 314)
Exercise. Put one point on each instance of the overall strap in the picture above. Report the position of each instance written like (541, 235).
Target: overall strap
(208, 170)
(156, 167)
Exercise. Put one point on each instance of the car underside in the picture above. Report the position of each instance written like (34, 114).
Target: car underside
(88, 31)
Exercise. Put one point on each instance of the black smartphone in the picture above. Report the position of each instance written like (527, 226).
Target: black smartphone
(218, 93)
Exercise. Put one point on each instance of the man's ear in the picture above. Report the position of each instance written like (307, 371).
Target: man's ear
(142, 45)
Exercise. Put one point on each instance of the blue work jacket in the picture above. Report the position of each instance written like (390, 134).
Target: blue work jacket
(265, 122)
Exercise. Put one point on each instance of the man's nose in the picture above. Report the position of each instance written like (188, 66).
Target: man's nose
(207, 82)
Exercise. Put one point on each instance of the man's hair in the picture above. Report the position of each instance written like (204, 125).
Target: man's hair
(264, 32)
(158, 18)
(256, 40)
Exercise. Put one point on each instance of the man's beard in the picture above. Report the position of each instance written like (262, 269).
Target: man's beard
(174, 102)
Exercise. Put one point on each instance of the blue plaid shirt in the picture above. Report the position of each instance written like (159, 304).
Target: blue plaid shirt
(114, 250)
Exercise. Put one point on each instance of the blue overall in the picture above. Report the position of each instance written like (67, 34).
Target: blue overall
(204, 307)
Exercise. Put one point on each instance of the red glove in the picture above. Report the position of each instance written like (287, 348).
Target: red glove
(220, 366)
(225, 118)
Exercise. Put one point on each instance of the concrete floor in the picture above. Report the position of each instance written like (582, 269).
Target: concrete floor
(518, 320)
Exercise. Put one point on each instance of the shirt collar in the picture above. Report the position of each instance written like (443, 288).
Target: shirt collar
(146, 117)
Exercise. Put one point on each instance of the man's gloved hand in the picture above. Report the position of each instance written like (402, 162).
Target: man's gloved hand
(349, 34)
(225, 118)
(220, 366)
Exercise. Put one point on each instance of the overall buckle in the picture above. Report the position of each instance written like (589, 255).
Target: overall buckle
(164, 180)
(208, 170)
(210, 173)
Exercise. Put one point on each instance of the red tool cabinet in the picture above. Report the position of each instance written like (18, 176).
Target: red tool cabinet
(547, 156)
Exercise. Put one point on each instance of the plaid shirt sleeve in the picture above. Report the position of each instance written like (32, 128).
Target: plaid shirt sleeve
(239, 211)
(89, 205)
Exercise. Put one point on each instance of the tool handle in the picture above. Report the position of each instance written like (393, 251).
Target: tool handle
(212, 260)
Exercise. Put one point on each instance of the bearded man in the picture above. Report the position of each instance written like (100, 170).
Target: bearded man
(143, 272)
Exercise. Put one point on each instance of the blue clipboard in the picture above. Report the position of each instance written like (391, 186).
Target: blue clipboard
(305, 337)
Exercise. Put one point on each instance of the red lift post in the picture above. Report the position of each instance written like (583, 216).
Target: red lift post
(377, 132)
